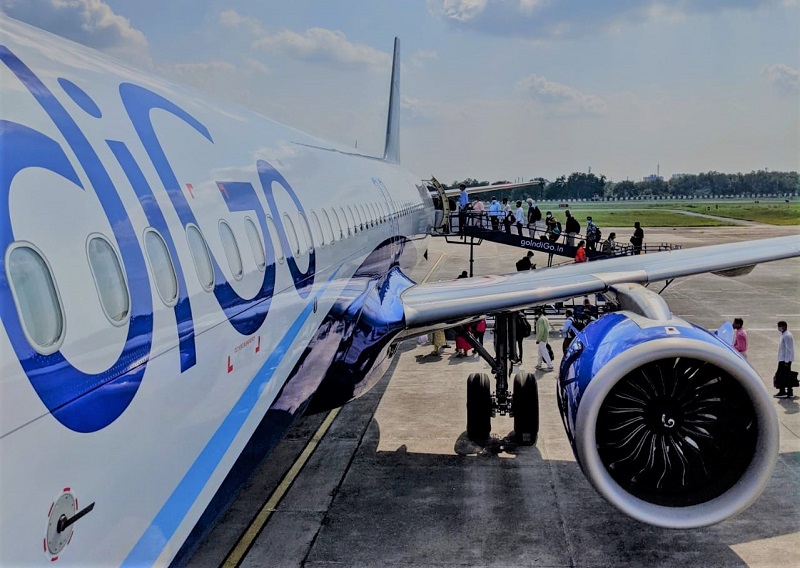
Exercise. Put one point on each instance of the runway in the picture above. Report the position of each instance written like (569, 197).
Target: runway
(392, 480)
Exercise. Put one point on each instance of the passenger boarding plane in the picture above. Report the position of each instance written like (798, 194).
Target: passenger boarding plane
(182, 278)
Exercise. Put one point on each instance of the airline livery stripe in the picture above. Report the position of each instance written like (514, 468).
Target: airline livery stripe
(166, 522)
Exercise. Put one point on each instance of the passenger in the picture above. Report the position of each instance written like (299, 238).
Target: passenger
(637, 239)
(463, 205)
(592, 233)
(463, 275)
(508, 216)
(568, 331)
(580, 254)
(739, 337)
(534, 213)
(553, 227)
(479, 331)
(572, 228)
(519, 216)
(462, 344)
(588, 311)
(524, 264)
(477, 212)
(610, 245)
(506, 209)
(521, 331)
(784, 379)
(439, 342)
(495, 214)
(542, 335)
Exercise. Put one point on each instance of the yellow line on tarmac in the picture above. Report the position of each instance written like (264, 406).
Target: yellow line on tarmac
(239, 551)
(436, 264)
(246, 541)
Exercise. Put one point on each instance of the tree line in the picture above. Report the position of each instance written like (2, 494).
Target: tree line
(580, 185)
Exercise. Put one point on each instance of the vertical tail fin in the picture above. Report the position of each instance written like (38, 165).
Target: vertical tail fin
(391, 152)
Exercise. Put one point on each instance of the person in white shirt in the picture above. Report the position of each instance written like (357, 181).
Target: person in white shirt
(784, 379)
(519, 215)
(495, 212)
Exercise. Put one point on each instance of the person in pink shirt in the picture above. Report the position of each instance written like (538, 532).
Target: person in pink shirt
(739, 337)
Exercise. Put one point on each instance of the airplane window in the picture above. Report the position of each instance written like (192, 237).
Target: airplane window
(329, 226)
(161, 266)
(364, 217)
(339, 223)
(384, 210)
(200, 256)
(231, 250)
(109, 279)
(276, 241)
(355, 218)
(255, 243)
(306, 232)
(347, 221)
(320, 236)
(294, 242)
(36, 298)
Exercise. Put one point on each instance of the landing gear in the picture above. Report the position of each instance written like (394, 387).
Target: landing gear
(479, 407)
(482, 405)
(525, 409)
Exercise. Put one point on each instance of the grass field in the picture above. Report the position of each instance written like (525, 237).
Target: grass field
(620, 214)
(647, 217)
(771, 213)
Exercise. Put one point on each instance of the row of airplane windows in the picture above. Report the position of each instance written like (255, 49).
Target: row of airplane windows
(40, 308)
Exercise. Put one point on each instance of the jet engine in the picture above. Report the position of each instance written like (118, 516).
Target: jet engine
(667, 421)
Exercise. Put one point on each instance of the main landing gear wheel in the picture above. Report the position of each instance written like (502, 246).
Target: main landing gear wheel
(479, 407)
(525, 407)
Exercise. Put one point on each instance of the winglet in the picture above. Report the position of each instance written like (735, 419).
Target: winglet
(391, 152)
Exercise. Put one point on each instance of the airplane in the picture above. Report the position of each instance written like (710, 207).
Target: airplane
(183, 278)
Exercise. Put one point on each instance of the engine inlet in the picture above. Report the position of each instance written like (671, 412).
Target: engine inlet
(677, 432)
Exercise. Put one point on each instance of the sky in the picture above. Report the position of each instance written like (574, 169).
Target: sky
(491, 89)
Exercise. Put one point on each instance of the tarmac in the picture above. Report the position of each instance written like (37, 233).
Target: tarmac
(392, 480)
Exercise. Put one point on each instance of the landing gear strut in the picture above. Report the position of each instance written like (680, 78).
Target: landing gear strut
(523, 404)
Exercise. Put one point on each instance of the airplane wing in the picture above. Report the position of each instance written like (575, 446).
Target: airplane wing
(648, 401)
(488, 188)
(432, 304)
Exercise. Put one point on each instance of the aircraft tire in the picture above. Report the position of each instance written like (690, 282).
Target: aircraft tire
(479, 407)
(525, 407)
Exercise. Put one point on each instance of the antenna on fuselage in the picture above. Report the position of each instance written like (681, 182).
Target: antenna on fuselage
(391, 151)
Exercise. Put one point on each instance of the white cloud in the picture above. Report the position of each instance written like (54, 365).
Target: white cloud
(784, 79)
(559, 18)
(320, 44)
(459, 10)
(90, 22)
(315, 44)
(563, 99)
(232, 19)
(418, 58)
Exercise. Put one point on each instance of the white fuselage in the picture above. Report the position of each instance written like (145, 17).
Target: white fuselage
(190, 372)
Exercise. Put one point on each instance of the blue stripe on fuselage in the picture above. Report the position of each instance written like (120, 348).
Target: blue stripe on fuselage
(174, 510)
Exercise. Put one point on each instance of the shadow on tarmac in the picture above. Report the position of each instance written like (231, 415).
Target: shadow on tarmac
(499, 504)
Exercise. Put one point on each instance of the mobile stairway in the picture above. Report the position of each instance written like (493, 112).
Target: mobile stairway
(472, 228)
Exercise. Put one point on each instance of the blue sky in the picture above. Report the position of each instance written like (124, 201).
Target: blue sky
(492, 89)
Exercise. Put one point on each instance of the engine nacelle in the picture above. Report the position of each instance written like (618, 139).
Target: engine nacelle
(668, 422)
